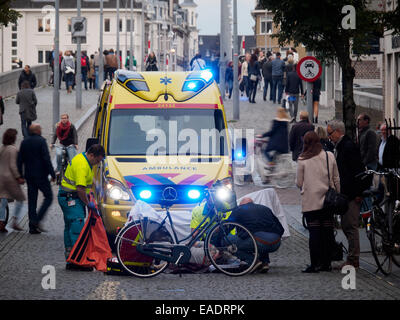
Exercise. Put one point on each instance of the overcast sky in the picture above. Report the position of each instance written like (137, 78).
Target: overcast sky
(209, 16)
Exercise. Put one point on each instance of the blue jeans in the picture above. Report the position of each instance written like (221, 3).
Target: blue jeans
(96, 73)
(84, 76)
(25, 126)
(17, 209)
(270, 243)
(69, 79)
(71, 151)
(277, 83)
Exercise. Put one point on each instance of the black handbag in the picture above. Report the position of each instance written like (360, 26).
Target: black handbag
(334, 202)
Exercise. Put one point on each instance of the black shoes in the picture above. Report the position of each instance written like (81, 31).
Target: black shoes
(310, 269)
(34, 231)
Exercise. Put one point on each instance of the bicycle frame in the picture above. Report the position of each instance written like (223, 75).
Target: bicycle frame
(157, 250)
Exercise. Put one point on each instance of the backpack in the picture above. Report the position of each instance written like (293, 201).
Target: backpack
(83, 62)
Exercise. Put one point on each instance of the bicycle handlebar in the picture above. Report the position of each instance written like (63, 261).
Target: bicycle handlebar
(379, 173)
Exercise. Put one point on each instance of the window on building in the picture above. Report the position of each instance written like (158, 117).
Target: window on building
(14, 27)
(107, 27)
(69, 24)
(44, 25)
(128, 25)
(14, 52)
(192, 23)
(120, 25)
(266, 26)
(14, 44)
(40, 56)
(14, 36)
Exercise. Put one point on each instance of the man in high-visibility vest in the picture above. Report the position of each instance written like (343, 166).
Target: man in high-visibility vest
(72, 196)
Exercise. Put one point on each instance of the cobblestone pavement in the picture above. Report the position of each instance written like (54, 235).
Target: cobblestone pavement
(22, 257)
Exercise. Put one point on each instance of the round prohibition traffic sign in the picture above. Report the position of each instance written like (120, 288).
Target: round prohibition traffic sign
(309, 69)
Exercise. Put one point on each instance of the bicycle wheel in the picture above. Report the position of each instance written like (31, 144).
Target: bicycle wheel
(380, 248)
(231, 249)
(139, 232)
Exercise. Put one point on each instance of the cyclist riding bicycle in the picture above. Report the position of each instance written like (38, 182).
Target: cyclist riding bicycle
(66, 133)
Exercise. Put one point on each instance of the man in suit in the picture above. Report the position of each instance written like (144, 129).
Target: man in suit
(35, 166)
(389, 150)
(297, 133)
(349, 163)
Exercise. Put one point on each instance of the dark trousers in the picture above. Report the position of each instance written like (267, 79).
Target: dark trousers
(246, 80)
(253, 89)
(34, 185)
(25, 126)
(277, 84)
(320, 225)
(84, 77)
(266, 83)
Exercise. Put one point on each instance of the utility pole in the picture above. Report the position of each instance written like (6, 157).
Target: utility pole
(78, 65)
(131, 34)
(118, 22)
(56, 78)
(143, 37)
(101, 66)
(223, 47)
(236, 101)
(310, 108)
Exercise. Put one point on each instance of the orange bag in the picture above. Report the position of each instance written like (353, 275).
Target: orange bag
(92, 248)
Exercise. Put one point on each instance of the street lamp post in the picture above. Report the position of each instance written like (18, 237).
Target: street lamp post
(56, 78)
(164, 27)
(131, 39)
(236, 101)
(78, 64)
(118, 23)
(101, 66)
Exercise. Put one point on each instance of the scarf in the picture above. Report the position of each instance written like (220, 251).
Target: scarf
(63, 130)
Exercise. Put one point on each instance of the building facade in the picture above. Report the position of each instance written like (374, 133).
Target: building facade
(168, 27)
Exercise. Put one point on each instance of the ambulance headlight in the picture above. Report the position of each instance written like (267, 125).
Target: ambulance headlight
(145, 194)
(194, 194)
(116, 191)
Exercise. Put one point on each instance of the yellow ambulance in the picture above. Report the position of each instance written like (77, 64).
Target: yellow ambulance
(165, 136)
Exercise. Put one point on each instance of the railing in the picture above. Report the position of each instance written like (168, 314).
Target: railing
(9, 80)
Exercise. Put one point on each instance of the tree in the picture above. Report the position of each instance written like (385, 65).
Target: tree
(7, 15)
(331, 34)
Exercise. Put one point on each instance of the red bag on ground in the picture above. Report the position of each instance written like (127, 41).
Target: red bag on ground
(92, 248)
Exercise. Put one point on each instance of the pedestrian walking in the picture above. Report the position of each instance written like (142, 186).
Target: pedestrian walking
(367, 141)
(244, 80)
(278, 67)
(67, 134)
(267, 74)
(92, 73)
(27, 75)
(151, 63)
(10, 180)
(68, 68)
(111, 63)
(96, 63)
(327, 144)
(349, 163)
(197, 63)
(312, 178)
(278, 136)
(73, 195)
(26, 98)
(134, 63)
(229, 78)
(297, 133)
(293, 87)
(254, 77)
(316, 92)
(1, 110)
(85, 68)
(35, 166)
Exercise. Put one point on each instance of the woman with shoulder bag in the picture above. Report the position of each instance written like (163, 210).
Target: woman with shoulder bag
(312, 179)
(10, 179)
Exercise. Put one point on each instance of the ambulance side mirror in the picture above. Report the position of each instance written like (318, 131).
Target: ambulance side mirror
(90, 142)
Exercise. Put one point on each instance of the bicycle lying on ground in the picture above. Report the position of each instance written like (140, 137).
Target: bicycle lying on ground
(383, 228)
(145, 248)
